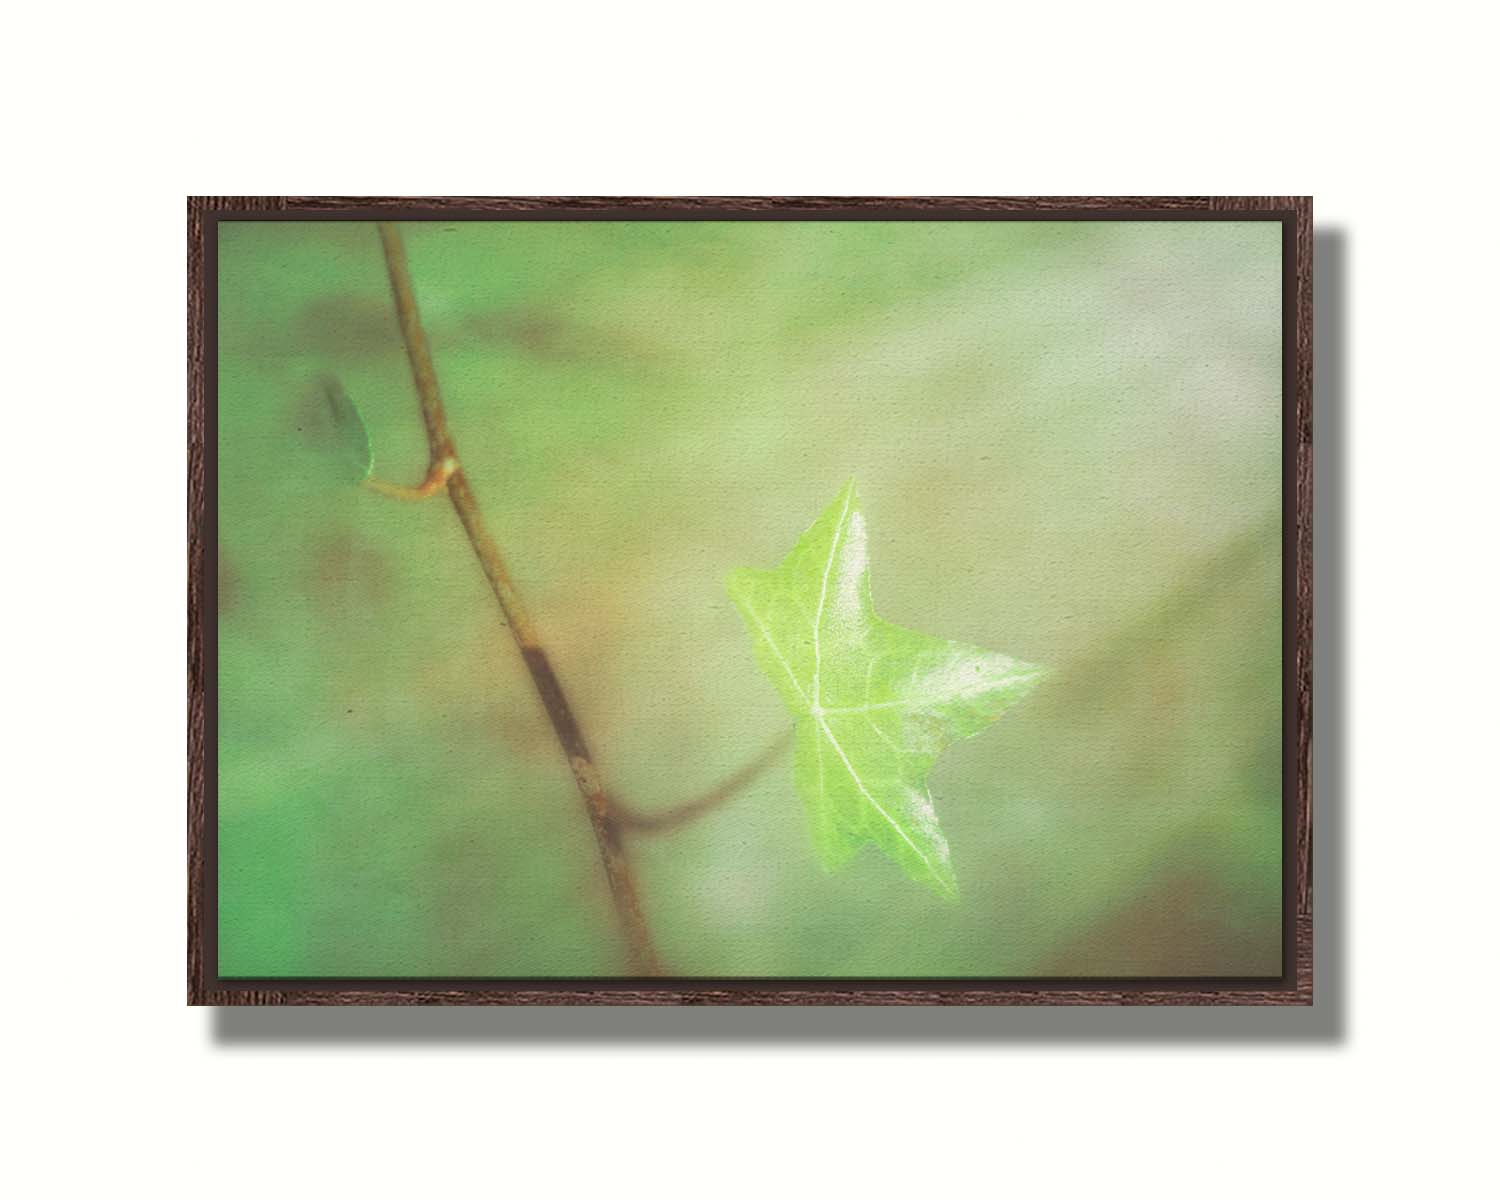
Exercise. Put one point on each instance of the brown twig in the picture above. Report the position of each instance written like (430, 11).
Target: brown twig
(444, 460)
(438, 475)
(726, 789)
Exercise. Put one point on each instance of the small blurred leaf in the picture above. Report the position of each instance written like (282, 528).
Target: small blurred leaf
(350, 439)
(873, 704)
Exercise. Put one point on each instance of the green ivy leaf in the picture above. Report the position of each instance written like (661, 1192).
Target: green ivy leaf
(348, 439)
(874, 704)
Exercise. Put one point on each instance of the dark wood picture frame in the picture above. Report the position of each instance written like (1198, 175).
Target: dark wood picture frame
(1293, 986)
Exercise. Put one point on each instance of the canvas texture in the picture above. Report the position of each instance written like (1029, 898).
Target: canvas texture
(1017, 703)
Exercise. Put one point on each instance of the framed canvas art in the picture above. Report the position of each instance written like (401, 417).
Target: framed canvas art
(749, 601)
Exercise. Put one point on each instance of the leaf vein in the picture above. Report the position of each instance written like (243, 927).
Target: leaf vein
(865, 792)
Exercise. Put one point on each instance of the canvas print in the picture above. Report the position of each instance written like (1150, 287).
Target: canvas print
(748, 599)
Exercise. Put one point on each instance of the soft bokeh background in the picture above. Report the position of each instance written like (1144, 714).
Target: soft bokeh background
(1066, 437)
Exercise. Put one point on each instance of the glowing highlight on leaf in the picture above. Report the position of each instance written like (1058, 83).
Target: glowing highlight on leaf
(873, 704)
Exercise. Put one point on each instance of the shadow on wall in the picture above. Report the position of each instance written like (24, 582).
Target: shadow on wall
(1323, 1024)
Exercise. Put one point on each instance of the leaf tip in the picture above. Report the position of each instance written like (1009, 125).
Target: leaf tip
(942, 881)
(1030, 676)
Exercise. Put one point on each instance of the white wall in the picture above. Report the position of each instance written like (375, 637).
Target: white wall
(118, 1086)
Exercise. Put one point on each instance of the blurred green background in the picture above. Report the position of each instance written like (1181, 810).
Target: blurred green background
(1067, 442)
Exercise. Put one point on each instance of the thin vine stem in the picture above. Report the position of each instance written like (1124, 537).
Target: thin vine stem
(726, 789)
(444, 462)
(437, 479)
